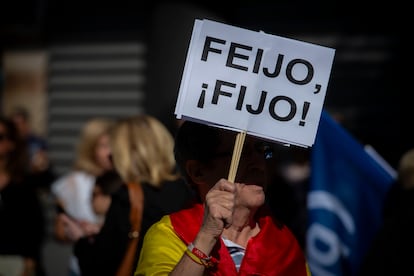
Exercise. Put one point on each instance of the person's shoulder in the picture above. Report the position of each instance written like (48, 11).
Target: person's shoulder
(178, 181)
(71, 178)
(178, 184)
(161, 226)
(121, 195)
(60, 181)
(80, 178)
(82, 175)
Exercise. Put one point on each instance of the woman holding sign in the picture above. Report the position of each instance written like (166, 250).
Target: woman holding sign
(230, 231)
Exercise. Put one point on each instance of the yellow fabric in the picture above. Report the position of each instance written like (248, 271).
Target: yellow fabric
(155, 257)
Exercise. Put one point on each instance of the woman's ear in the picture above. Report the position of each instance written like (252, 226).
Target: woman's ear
(195, 171)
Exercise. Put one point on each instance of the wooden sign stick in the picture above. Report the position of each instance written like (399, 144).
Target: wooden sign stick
(238, 147)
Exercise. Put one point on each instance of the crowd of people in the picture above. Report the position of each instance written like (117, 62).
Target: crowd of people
(74, 189)
(21, 216)
(193, 220)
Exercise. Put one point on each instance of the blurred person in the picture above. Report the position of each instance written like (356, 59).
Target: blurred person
(21, 216)
(149, 160)
(391, 250)
(38, 165)
(229, 231)
(37, 145)
(106, 185)
(142, 153)
(73, 191)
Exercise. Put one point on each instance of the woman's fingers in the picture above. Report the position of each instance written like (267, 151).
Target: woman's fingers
(219, 207)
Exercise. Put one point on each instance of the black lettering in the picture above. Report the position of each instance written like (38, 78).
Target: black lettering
(240, 100)
(261, 104)
(207, 47)
(318, 88)
(272, 108)
(257, 61)
(289, 69)
(218, 91)
(200, 103)
(233, 54)
(276, 71)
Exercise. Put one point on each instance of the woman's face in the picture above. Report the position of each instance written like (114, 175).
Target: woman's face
(100, 201)
(103, 153)
(251, 177)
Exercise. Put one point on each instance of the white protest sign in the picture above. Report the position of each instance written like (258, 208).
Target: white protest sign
(266, 85)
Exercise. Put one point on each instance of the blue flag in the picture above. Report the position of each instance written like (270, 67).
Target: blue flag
(345, 200)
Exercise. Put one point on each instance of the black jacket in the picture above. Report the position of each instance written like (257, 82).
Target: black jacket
(103, 253)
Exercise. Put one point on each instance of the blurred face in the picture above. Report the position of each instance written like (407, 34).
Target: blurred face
(103, 152)
(100, 201)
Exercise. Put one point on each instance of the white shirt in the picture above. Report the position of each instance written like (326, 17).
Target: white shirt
(74, 191)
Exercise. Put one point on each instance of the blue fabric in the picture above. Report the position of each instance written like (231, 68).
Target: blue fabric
(345, 200)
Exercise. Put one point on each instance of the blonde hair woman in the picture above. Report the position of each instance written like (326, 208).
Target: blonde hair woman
(73, 191)
(142, 153)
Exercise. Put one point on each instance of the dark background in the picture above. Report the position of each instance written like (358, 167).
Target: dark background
(367, 92)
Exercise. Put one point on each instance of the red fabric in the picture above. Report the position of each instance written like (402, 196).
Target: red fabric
(274, 251)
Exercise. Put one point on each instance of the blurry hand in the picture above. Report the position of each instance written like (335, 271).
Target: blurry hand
(73, 231)
(89, 228)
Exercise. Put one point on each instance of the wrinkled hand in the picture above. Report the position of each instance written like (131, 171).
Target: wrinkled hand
(219, 206)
